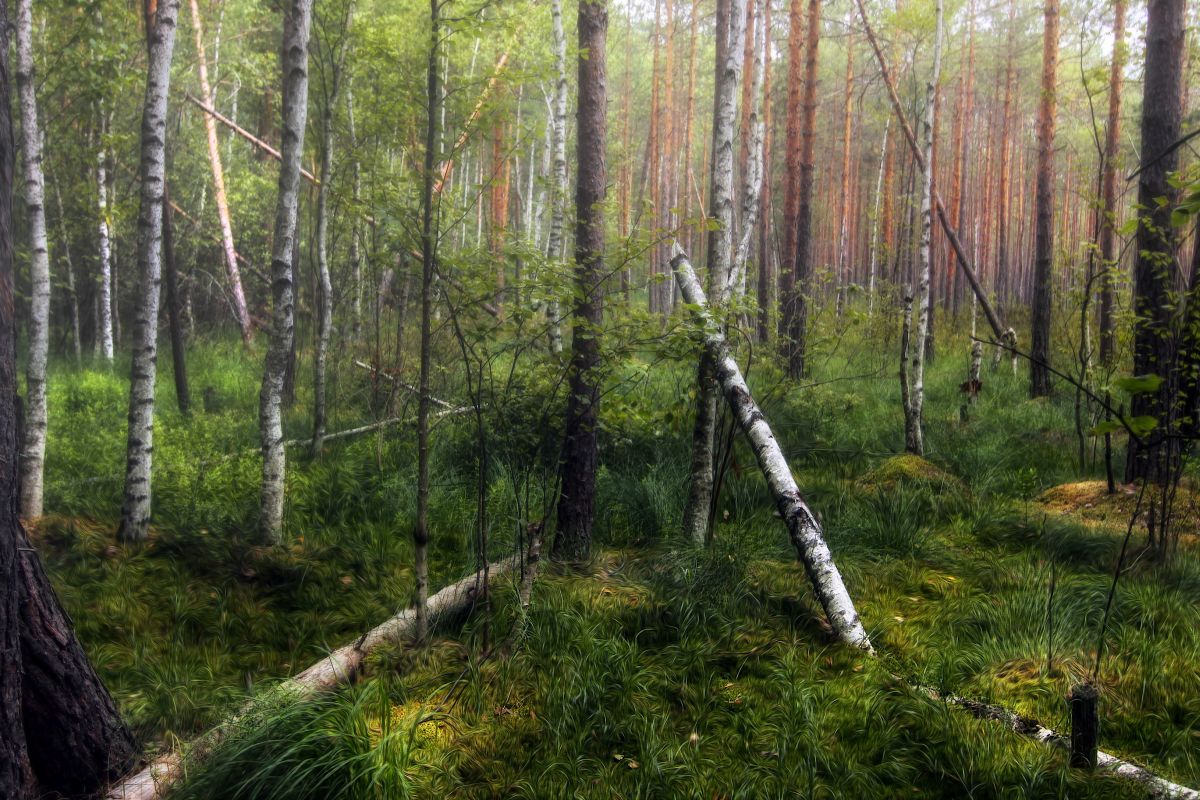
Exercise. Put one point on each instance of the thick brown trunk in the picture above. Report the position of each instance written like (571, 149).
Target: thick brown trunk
(1039, 373)
(798, 319)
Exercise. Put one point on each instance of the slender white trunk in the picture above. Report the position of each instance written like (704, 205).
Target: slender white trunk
(803, 527)
(218, 175)
(135, 509)
(874, 259)
(33, 454)
(731, 15)
(914, 437)
(296, 26)
(356, 231)
(752, 181)
(104, 336)
(556, 246)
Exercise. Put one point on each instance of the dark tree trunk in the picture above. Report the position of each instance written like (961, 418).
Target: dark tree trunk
(1155, 270)
(1108, 222)
(60, 733)
(1039, 373)
(580, 448)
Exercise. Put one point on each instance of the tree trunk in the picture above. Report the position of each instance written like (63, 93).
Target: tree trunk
(33, 454)
(296, 24)
(580, 452)
(791, 190)
(324, 281)
(842, 256)
(60, 734)
(241, 312)
(72, 288)
(731, 16)
(1108, 208)
(1155, 271)
(914, 436)
(803, 527)
(136, 506)
(183, 397)
(875, 244)
(104, 336)
(803, 265)
(1039, 373)
(556, 245)
(765, 223)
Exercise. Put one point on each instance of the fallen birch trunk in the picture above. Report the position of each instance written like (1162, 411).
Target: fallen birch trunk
(374, 426)
(408, 387)
(339, 668)
(1156, 787)
(803, 527)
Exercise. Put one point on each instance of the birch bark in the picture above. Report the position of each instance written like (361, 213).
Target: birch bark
(136, 506)
(104, 337)
(33, 454)
(556, 246)
(296, 25)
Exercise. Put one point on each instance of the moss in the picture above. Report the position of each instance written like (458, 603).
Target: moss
(1090, 503)
(907, 469)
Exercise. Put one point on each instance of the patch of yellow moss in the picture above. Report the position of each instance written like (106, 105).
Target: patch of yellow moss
(907, 469)
(431, 729)
(1090, 503)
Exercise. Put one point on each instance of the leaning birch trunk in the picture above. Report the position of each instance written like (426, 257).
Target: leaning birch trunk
(803, 527)
(339, 668)
(731, 29)
(135, 508)
(218, 175)
(104, 337)
(556, 245)
(33, 454)
(297, 21)
(324, 280)
(914, 418)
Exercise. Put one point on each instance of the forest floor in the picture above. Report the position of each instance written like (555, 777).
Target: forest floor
(663, 670)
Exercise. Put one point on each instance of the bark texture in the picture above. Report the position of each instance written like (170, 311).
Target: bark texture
(803, 264)
(136, 505)
(104, 336)
(33, 454)
(556, 245)
(731, 22)
(1108, 208)
(803, 527)
(1043, 259)
(296, 26)
(580, 452)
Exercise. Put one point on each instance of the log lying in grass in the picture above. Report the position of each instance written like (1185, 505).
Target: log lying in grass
(375, 426)
(803, 527)
(1156, 787)
(339, 668)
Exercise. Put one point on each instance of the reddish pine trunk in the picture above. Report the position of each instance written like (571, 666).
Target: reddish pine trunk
(1039, 373)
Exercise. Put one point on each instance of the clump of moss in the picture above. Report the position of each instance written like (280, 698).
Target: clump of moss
(1090, 503)
(908, 470)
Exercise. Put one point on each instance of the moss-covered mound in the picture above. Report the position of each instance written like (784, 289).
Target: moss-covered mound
(909, 470)
(1090, 503)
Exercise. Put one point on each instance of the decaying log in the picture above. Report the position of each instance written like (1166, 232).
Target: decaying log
(339, 668)
(803, 527)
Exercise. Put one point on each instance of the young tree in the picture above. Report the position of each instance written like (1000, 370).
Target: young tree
(60, 734)
(1039, 372)
(556, 244)
(33, 454)
(731, 17)
(297, 22)
(914, 436)
(1155, 270)
(580, 452)
(1108, 208)
(135, 508)
(104, 303)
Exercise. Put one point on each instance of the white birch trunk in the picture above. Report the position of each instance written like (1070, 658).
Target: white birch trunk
(752, 181)
(556, 246)
(339, 668)
(135, 508)
(33, 454)
(104, 336)
(218, 175)
(698, 507)
(356, 232)
(874, 259)
(914, 436)
(296, 26)
(803, 527)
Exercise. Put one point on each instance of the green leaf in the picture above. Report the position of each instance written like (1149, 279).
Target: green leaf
(1140, 426)
(1140, 384)
(1106, 427)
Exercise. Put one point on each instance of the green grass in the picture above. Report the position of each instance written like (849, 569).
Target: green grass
(708, 674)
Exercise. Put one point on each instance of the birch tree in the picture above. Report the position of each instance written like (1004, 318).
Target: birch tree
(914, 406)
(556, 244)
(731, 22)
(297, 22)
(136, 505)
(33, 454)
(104, 336)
